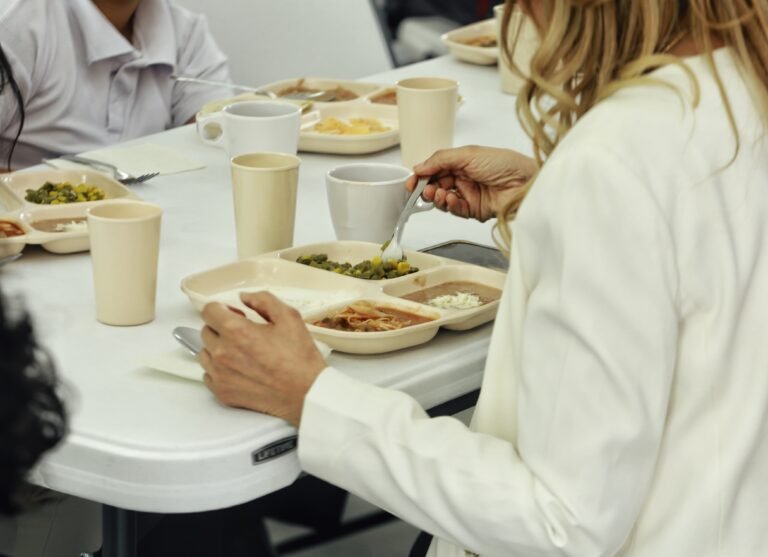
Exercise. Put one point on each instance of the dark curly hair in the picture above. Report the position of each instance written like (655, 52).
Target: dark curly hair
(32, 417)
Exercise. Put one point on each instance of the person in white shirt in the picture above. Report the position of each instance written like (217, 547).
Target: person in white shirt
(97, 72)
(624, 407)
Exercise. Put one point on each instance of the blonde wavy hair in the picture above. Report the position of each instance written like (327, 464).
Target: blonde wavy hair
(591, 48)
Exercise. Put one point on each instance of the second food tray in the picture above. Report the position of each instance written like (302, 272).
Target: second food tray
(59, 228)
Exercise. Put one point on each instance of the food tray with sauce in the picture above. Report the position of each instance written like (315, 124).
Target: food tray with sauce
(388, 97)
(39, 223)
(337, 91)
(468, 43)
(384, 315)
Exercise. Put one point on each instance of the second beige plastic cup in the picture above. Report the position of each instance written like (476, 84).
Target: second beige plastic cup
(525, 40)
(125, 243)
(264, 187)
(426, 108)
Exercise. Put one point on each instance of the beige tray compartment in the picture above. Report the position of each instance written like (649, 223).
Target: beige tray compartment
(482, 55)
(316, 142)
(57, 242)
(355, 252)
(378, 342)
(454, 319)
(360, 88)
(14, 244)
(19, 182)
(389, 89)
(258, 273)
(9, 202)
(384, 91)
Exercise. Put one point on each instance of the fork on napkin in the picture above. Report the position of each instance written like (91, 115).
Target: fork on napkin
(119, 175)
(137, 160)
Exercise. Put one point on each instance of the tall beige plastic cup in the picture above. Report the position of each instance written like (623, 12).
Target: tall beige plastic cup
(525, 38)
(426, 109)
(125, 243)
(264, 187)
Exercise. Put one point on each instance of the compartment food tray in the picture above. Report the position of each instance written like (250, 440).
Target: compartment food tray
(279, 270)
(14, 208)
(482, 55)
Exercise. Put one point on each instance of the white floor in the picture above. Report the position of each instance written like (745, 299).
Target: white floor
(392, 539)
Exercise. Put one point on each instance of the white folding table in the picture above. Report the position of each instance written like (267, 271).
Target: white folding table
(144, 441)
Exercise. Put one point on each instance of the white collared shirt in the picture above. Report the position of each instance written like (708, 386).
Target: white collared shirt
(85, 86)
(624, 407)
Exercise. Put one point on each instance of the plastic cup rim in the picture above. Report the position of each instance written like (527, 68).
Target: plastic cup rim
(295, 161)
(157, 211)
(336, 179)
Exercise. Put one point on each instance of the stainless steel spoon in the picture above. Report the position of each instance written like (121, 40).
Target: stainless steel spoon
(189, 338)
(393, 249)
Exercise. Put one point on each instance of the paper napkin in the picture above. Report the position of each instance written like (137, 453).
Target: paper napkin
(181, 363)
(138, 159)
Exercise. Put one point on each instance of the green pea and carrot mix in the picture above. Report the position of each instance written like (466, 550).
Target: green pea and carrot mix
(64, 192)
(370, 269)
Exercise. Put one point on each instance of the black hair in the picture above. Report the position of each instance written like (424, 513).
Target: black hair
(32, 416)
(7, 79)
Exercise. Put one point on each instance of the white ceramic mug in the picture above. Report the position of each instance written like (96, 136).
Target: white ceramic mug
(426, 108)
(252, 127)
(366, 199)
(524, 39)
(125, 243)
(264, 187)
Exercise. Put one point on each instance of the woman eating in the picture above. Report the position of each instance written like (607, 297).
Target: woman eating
(624, 404)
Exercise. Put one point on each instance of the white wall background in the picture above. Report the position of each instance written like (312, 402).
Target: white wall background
(270, 40)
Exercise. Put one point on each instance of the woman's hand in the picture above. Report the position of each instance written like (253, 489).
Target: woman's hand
(264, 367)
(473, 182)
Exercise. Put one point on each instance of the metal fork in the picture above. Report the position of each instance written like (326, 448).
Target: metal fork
(119, 175)
(138, 179)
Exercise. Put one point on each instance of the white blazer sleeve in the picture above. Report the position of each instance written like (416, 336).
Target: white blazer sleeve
(598, 353)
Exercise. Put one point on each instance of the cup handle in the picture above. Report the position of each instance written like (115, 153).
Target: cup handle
(210, 128)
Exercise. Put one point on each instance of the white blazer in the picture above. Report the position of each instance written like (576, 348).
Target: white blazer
(624, 404)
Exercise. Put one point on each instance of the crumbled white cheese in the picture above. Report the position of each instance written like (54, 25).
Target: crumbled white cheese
(460, 300)
(74, 226)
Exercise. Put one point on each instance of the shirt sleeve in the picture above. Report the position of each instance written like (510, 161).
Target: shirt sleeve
(200, 57)
(599, 341)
